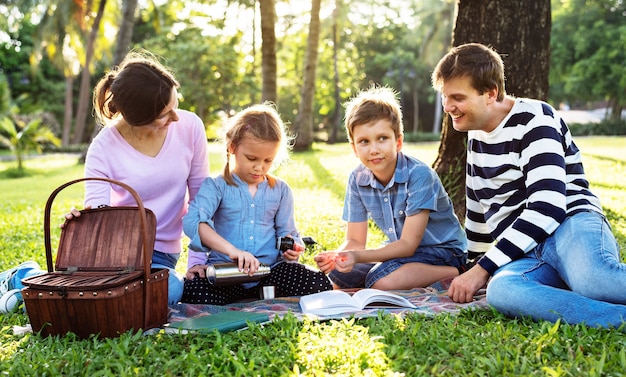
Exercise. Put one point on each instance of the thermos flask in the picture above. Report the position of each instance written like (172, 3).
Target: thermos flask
(229, 274)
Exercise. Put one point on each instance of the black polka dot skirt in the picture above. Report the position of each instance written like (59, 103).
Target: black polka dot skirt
(288, 279)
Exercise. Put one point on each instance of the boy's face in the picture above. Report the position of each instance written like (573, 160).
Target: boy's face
(376, 145)
(467, 107)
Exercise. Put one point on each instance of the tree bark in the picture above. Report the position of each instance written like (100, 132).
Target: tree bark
(269, 90)
(125, 33)
(520, 32)
(304, 120)
(84, 96)
(67, 115)
(336, 118)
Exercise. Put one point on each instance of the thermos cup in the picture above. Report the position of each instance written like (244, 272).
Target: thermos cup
(229, 274)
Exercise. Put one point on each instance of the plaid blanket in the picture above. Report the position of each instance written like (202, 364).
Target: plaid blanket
(429, 301)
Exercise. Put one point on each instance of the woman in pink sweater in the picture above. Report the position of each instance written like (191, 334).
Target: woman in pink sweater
(147, 143)
(151, 145)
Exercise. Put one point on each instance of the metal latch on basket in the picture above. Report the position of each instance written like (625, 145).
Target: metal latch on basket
(127, 270)
(71, 270)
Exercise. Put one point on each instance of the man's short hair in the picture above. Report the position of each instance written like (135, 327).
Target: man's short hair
(482, 64)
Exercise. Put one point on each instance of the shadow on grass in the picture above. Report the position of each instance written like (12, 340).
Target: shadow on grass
(322, 174)
(606, 158)
(42, 168)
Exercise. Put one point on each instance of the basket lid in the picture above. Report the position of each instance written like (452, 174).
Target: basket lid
(105, 239)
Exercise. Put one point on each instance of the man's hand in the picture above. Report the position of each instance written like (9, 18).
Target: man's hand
(464, 286)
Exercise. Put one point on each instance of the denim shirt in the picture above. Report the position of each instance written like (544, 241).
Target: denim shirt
(249, 223)
(413, 188)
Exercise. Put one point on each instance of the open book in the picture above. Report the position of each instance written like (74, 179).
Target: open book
(336, 301)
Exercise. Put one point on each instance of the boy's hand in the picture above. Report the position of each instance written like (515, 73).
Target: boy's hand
(344, 261)
(325, 261)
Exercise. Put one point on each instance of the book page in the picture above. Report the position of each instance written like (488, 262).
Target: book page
(376, 297)
(328, 303)
(336, 301)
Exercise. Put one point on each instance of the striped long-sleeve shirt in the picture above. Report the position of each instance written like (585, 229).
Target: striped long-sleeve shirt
(523, 179)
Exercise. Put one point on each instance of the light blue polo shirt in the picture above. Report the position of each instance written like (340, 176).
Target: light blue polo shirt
(414, 187)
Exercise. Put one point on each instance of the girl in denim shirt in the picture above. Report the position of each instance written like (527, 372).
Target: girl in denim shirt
(238, 215)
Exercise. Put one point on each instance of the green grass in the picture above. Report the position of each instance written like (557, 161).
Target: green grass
(481, 343)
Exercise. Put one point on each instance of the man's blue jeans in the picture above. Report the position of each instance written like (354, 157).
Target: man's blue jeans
(575, 275)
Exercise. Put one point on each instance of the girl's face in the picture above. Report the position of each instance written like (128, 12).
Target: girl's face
(253, 158)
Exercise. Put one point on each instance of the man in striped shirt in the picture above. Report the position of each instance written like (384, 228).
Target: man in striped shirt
(547, 246)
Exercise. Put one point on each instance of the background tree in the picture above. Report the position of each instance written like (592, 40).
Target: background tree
(125, 33)
(520, 32)
(84, 94)
(268, 51)
(588, 53)
(59, 35)
(211, 46)
(21, 133)
(303, 126)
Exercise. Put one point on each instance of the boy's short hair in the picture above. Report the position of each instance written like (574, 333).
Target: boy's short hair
(373, 104)
(482, 64)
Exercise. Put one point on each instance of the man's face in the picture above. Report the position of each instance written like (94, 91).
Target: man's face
(466, 106)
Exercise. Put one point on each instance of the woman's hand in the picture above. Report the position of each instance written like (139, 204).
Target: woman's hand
(71, 214)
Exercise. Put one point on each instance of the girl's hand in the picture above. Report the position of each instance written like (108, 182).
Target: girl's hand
(246, 262)
(344, 261)
(325, 261)
(197, 270)
(293, 255)
(71, 214)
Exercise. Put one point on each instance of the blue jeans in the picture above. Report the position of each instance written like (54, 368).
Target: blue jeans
(366, 274)
(175, 280)
(575, 275)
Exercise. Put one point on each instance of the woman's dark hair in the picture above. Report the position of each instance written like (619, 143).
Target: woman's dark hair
(138, 90)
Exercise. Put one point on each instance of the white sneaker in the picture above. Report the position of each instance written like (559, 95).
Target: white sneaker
(10, 300)
(7, 275)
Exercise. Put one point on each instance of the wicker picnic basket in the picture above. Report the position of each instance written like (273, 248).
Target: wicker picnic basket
(101, 282)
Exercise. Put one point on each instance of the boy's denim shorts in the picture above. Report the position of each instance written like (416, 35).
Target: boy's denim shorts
(364, 275)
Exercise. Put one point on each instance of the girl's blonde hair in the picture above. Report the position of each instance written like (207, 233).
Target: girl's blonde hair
(261, 122)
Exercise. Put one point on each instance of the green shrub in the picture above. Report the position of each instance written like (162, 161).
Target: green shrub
(607, 127)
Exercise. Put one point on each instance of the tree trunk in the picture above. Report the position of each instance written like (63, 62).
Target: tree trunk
(269, 91)
(304, 120)
(520, 32)
(336, 119)
(84, 94)
(67, 116)
(125, 33)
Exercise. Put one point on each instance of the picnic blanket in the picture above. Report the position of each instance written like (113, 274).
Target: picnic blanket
(429, 301)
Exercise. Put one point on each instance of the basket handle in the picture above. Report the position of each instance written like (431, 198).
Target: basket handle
(142, 218)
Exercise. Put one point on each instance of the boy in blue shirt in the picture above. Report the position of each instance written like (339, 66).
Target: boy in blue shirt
(405, 199)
